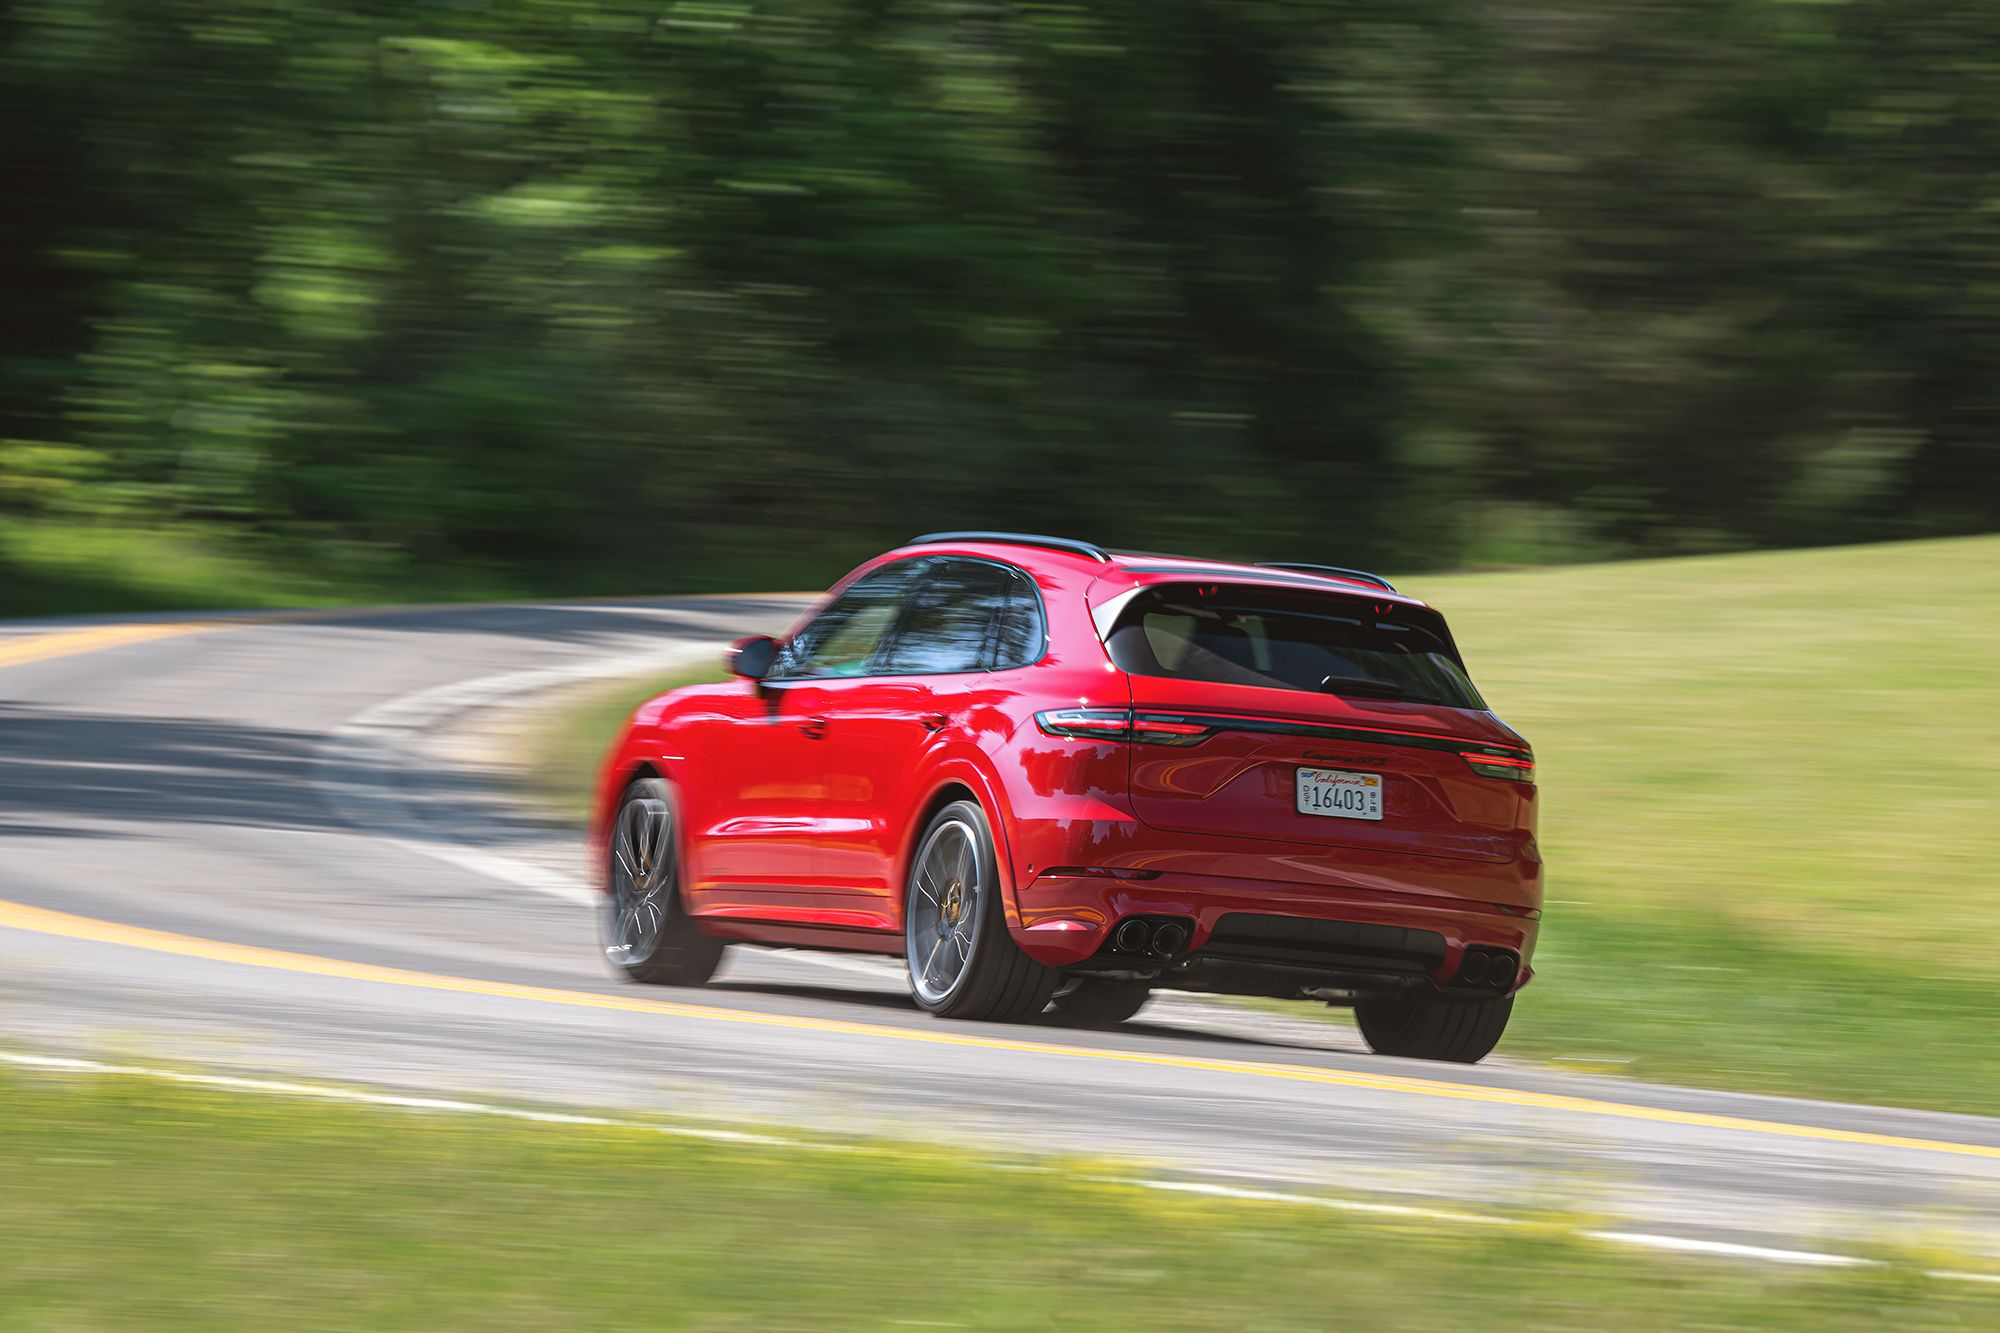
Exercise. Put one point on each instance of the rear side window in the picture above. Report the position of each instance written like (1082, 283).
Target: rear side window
(957, 621)
(1280, 639)
(1022, 633)
(842, 639)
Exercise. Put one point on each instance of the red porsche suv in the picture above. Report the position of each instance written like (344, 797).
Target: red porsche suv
(1042, 772)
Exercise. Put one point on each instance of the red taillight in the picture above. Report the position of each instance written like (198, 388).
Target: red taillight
(1158, 730)
(1513, 767)
(1108, 724)
(1121, 724)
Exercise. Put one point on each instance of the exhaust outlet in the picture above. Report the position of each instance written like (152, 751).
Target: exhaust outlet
(1472, 970)
(1131, 937)
(1168, 939)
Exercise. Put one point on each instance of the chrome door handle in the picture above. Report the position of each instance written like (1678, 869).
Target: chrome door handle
(935, 721)
(813, 727)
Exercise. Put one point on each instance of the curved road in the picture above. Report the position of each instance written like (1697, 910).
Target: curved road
(275, 847)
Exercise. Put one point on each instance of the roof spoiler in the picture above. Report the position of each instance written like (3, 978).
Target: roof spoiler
(1338, 571)
(1095, 552)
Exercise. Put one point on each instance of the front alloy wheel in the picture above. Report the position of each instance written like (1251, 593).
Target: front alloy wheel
(645, 929)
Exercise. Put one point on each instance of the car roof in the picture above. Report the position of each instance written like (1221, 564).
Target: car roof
(1120, 570)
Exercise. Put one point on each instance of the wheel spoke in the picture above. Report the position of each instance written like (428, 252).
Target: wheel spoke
(656, 840)
(642, 875)
(623, 844)
(944, 903)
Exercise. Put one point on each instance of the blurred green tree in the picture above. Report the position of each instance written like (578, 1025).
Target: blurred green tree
(599, 293)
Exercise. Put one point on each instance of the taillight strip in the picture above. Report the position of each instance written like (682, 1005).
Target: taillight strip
(1415, 740)
(1513, 768)
(1177, 728)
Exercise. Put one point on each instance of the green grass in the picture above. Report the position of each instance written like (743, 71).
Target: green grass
(57, 567)
(66, 566)
(565, 745)
(126, 1204)
(1771, 812)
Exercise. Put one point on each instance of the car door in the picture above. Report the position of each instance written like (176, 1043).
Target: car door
(879, 728)
(777, 797)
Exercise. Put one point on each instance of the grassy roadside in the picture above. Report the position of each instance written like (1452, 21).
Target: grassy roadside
(56, 567)
(1769, 788)
(51, 568)
(564, 745)
(323, 1216)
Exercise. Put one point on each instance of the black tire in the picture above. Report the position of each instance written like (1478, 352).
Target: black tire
(1432, 1027)
(995, 981)
(1097, 1002)
(643, 926)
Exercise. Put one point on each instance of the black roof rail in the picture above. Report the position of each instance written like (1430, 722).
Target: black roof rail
(1338, 571)
(1091, 549)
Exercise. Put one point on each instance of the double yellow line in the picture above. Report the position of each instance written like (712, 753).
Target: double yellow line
(20, 916)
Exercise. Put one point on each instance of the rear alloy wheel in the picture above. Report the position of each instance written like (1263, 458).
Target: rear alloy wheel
(962, 961)
(645, 929)
(1096, 1002)
(1433, 1027)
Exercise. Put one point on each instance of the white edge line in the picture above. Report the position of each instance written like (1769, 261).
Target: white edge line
(455, 1106)
(1729, 1249)
(1317, 1201)
(328, 1092)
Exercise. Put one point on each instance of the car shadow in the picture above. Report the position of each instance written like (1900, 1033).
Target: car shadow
(903, 1003)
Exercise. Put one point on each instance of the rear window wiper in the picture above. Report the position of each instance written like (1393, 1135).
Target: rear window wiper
(1380, 689)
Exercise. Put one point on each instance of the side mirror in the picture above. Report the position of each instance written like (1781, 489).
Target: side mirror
(753, 657)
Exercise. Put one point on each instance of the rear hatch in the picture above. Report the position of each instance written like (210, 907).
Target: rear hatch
(1313, 717)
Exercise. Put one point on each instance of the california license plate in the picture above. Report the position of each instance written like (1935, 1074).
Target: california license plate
(1339, 793)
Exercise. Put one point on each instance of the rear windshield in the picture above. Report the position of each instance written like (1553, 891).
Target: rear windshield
(1317, 642)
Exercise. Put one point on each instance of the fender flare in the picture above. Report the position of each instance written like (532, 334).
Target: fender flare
(963, 767)
(642, 750)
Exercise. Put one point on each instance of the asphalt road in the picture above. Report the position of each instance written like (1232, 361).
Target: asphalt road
(276, 848)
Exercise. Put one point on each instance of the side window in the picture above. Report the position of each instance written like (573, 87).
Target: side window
(950, 628)
(842, 639)
(1021, 635)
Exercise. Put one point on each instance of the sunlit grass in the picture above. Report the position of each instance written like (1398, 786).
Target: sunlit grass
(140, 1205)
(51, 567)
(565, 745)
(1771, 813)
(1806, 743)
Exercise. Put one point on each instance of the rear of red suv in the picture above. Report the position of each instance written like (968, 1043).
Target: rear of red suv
(1311, 801)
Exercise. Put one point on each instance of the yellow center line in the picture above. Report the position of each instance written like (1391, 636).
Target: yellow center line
(20, 916)
(63, 643)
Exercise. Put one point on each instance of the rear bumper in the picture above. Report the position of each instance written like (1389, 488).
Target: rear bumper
(1066, 920)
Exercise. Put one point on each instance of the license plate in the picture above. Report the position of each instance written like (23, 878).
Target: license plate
(1339, 793)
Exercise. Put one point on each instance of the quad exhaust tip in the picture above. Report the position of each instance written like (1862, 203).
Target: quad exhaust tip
(1487, 969)
(1162, 938)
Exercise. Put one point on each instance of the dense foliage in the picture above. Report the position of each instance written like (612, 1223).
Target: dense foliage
(651, 291)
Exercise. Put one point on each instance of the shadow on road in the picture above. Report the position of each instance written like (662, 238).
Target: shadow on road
(65, 773)
(901, 1002)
